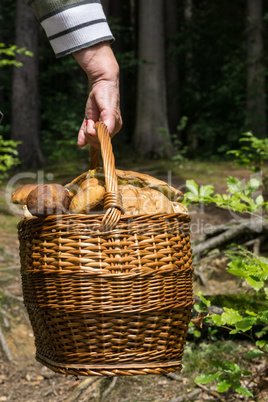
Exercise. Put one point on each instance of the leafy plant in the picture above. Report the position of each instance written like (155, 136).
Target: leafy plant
(10, 52)
(8, 156)
(254, 270)
(239, 198)
(253, 153)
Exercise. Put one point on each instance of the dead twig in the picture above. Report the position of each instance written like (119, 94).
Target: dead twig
(17, 298)
(81, 387)
(190, 396)
(109, 389)
(5, 347)
(259, 373)
(173, 376)
(213, 393)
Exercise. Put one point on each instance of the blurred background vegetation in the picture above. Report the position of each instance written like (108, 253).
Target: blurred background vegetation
(192, 80)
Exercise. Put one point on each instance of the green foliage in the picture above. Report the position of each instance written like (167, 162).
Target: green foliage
(253, 269)
(8, 156)
(10, 53)
(239, 198)
(253, 153)
(227, 375)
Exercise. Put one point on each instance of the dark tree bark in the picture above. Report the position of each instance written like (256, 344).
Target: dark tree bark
(192, 138)
(106, 7)
(172, 65)
(25, 95)
(256, 102)
(151, 132)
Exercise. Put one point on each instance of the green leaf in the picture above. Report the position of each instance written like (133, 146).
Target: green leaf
(234, 185)
(233, 332)
(262, 343)
(246, 372)
(253, 354)
(244, 325)
(206, 191)
(231, 316)
(259, 200)
(237, 272)
(241, 390)
(223, 386)
(200, 307)
(197, 333)
(217, 320)
(206, 378)
(192, 187)
(252, 185)
(204, 300)
(255, 284)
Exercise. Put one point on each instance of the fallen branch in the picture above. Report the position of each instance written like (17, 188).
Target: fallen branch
(244, 229)
(213, 393)
(109, 389)
(173, 376)
(5, 347)
(82, 387)
(190, 396)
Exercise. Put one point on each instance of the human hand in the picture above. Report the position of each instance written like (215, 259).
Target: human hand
(102, 69)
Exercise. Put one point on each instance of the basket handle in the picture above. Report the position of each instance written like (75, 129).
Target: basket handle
(112, 200)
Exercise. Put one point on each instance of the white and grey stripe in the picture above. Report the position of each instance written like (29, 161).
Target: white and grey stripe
(76, 26)
(81, 38)
(72, 18)
(67, 7)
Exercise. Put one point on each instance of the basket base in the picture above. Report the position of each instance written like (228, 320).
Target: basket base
(109, 370)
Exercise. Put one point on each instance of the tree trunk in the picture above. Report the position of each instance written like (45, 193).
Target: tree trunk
(256, 102)
(151, 132)
(192, 138)
(25, 125)
(172, 65)
(106, 7)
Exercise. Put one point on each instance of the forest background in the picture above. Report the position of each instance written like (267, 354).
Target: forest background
(192, 79)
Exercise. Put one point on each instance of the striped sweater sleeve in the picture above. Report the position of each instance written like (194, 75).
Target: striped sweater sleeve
(71, 25)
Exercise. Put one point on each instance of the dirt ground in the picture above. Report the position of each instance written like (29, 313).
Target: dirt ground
(23, 379)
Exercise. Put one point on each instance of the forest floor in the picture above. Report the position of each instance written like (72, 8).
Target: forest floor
(22, 379)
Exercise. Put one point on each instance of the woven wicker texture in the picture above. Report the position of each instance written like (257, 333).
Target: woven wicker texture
(108, 301)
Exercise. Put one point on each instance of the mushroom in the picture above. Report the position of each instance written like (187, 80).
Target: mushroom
(180, 208)
(20, 195)
(144, 200)
(48, 199)
(89, 195)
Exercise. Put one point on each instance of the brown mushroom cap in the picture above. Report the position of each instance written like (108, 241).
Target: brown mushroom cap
(88, 196)
(48, 199)
(144, 200)
(154, 202)
(130, 199)
(180, 208)
(20, 195)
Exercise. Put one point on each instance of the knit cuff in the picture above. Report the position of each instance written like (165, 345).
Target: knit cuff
(76, 27)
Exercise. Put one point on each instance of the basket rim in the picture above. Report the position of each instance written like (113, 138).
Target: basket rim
(105, 366)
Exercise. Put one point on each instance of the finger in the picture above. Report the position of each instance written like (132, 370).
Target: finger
(113, 121)
(81, 140)
(90, 128)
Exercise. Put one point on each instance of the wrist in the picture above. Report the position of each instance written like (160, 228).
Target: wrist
(98, 62)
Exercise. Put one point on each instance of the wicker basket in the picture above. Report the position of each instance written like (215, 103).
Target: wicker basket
(108, 294)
